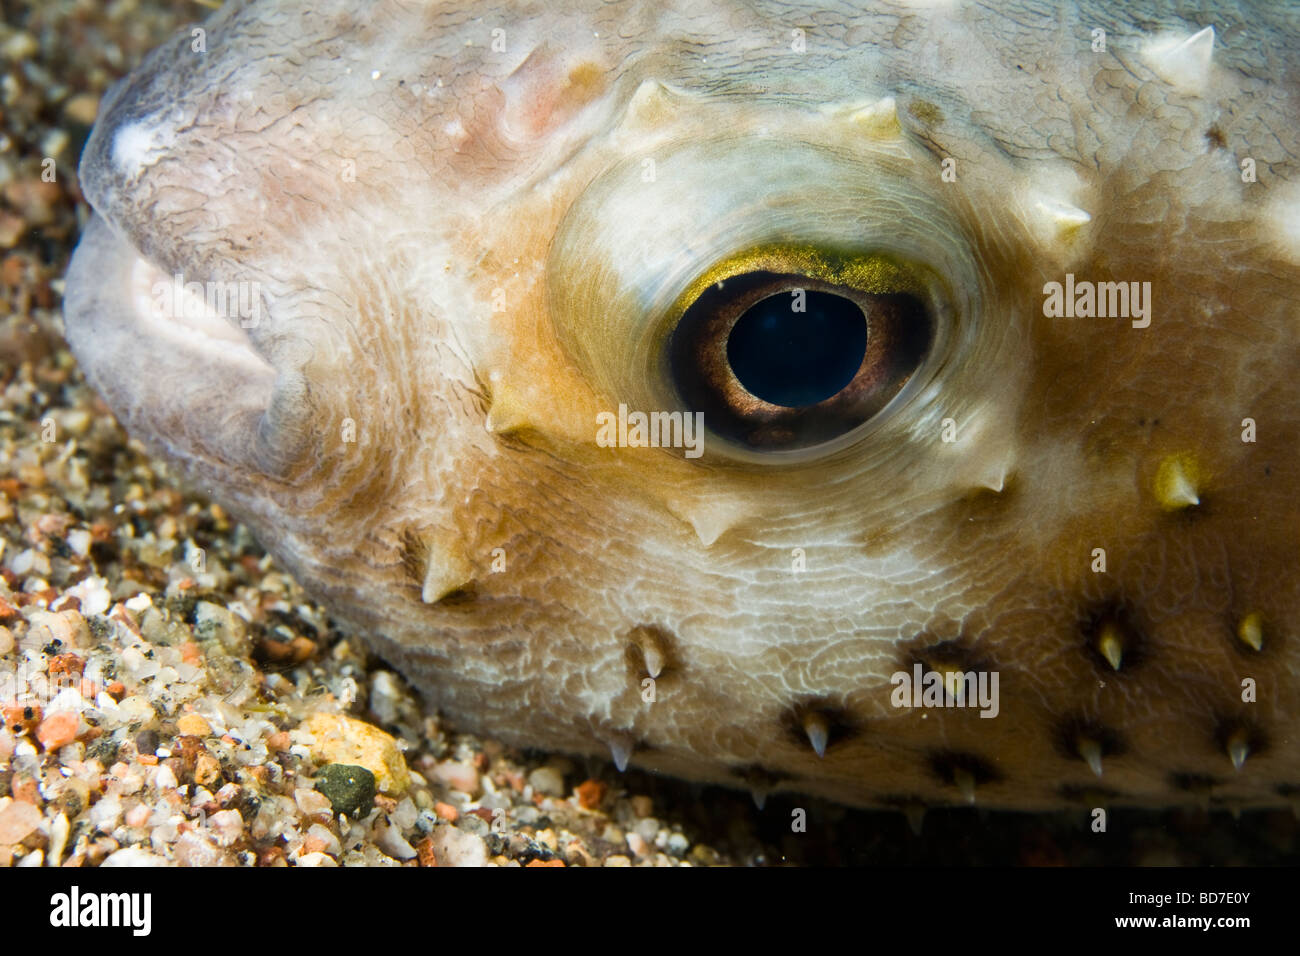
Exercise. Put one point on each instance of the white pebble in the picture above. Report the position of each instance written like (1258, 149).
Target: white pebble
(106, 813)
(79, 542)
(134, 856)
(405, 815)
(59, 830)
(311, 802)
(165, 779)
(326, 836)
(227, 825)
(390, 841)
(547, 780)
(93, 595)
(28, 562)
(140, 603)
(452, 847)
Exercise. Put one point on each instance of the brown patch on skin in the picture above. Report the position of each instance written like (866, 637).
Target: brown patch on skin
(542, 94)
(1214, 136)
(414, 557)
(927, 112)
(459, 597)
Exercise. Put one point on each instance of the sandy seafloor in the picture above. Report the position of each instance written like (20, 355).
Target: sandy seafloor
(158, 713)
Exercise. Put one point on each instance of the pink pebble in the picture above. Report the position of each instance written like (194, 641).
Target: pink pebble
(457, 776)
(58, 730)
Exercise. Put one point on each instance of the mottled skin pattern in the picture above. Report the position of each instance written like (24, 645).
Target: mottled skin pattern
(461, 262)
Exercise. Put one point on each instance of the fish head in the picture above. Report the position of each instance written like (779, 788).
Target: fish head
(891, 402)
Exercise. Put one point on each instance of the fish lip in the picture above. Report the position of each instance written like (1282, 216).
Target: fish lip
(197, 389)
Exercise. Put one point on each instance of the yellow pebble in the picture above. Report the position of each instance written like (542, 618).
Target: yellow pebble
(346, 740)
(193, 725)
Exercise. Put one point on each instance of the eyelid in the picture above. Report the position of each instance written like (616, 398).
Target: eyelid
(870, 272)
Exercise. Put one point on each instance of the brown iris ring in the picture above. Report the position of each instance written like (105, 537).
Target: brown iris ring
(899, 334)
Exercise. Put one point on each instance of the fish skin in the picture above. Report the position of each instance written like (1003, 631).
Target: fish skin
(383, 177)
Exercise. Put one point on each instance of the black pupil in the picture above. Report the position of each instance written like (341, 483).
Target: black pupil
(796, 358)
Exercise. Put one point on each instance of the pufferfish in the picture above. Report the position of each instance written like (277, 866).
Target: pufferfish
(896, 403)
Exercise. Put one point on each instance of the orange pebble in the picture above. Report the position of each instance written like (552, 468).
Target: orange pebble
(590, 794)
(58, 730)
(424, 851)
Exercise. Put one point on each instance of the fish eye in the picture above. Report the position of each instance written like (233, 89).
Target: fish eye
(788, 349)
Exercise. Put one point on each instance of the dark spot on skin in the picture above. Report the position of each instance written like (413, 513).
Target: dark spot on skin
(1214, 136)
(955, 654)
(1226, 728)
(946, 764)
(1070, 729)
(840, 724)
(926, 112)
(1192, 514)
(1119, 615)
(459, 597)
(986, 504)
(634, 654)
(413, 557)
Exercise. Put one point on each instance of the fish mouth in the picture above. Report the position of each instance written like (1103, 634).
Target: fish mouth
(194, 315)
(174, 360)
